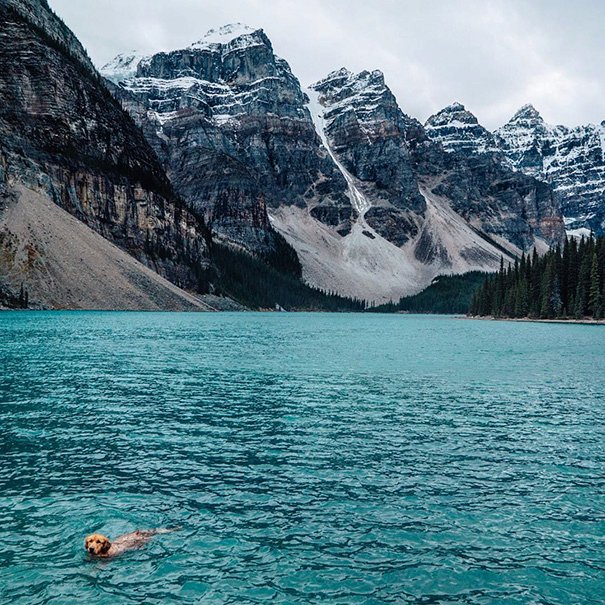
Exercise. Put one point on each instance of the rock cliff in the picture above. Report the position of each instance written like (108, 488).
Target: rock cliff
(372, 137)
(63, 136)
(228, 119)
(570, 160)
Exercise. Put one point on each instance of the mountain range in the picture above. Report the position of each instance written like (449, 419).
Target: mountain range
(571, 160)
(179, 160)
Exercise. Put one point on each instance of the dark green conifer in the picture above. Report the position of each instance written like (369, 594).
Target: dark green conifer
(567, 280)
(595, 297)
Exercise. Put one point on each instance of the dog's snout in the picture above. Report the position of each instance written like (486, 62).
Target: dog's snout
(91, 549)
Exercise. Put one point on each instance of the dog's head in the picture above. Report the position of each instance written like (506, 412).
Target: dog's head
(97, 544)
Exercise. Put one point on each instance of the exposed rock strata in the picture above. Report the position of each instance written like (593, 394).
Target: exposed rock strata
(570, 160)
(63, 135)
(228, 119)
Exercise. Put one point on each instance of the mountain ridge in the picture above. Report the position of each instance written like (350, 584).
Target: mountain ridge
(217, 144)
(571, 160)
(363, 168)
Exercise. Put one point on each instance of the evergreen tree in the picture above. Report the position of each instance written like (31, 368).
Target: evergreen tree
(23, 297)
(567, 280)
(595, 301)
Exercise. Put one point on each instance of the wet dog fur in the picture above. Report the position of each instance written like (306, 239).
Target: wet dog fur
(98, 545)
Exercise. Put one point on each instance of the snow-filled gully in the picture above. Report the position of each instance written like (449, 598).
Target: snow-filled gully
(359, 200)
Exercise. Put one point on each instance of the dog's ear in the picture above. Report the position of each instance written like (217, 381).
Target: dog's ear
(106, 546)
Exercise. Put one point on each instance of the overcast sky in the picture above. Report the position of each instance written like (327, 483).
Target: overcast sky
(491, 55)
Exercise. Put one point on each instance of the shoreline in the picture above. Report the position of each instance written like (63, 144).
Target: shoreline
(585, 322)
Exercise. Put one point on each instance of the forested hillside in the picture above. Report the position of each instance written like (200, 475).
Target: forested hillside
(447, 294)
(566, 282)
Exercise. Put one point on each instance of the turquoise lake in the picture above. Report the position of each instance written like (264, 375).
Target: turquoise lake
(308, 458)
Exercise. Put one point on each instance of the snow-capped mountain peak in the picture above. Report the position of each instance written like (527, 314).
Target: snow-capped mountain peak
(522, 139)
(225, 35)
(364, 93)
(123, 66)
(455, 106)
(338, 76)
(527, 112)
(232, 36)
(458, 130)
(454, 113)
(346, 75)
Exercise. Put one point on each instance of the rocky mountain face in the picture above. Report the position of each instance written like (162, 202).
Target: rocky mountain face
(228, 119)
(485, 188)
(371, 138)
(65, 138)
(334, 182)
(571, 160)
(458, 130)
(518, 141)
(373, 207)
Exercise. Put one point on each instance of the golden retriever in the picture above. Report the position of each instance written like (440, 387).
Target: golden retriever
(99, 545)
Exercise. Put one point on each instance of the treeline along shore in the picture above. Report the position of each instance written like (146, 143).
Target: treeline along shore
(565, 283)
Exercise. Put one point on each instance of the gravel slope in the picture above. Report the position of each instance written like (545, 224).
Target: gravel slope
(65, 264)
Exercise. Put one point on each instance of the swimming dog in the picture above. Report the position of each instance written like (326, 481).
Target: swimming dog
(99, 545)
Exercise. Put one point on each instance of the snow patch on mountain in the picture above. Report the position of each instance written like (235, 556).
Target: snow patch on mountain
(359, 201)
(224, 35)
(579, 233)
(123, 66)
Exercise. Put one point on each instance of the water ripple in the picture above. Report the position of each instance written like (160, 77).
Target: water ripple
(308, 458)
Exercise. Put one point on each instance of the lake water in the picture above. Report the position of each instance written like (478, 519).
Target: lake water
(309, 458)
